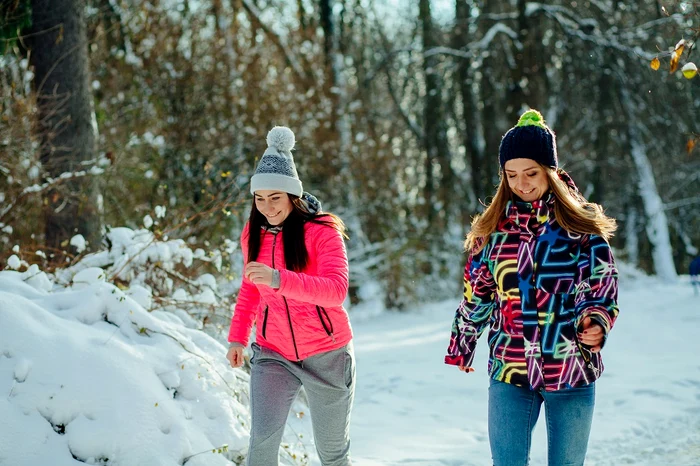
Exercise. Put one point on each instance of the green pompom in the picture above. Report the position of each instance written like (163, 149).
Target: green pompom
(532, 118)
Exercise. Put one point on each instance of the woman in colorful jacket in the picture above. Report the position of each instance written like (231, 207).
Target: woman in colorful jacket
(295, 281)
(542, 275)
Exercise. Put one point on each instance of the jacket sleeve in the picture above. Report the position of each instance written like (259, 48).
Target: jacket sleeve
(473, 313)
(596, 291)
(246, 304)
(330, 286)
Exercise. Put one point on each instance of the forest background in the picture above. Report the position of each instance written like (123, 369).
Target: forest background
(153, 114)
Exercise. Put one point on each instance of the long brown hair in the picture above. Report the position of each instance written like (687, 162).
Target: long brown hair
(571, 210)
(296, 257)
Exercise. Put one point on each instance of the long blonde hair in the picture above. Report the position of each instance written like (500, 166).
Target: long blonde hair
(571, 210)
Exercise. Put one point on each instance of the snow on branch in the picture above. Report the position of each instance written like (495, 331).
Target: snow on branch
(50, 182)
(497, 28)
(587, 29)
(675, 18)
(447, 51)
(470, 53)
(682, 203)
(61, 178)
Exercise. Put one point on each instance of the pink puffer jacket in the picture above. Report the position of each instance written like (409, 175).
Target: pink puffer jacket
(305, 316)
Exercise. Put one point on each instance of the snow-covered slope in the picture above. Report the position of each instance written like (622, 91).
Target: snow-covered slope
(87, 374)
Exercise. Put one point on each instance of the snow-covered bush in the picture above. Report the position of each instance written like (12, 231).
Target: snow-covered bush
(161, 275)
(101, 365)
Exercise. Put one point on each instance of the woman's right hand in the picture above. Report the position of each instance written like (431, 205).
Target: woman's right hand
(235, 356)
(466, 369)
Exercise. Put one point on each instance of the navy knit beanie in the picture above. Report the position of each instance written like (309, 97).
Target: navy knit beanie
(530, 139)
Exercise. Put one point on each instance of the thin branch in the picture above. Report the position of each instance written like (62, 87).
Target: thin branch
(276, 39)
(51, 182)
(472, 50)
(415, 129)
(682, 203)
(575, 27)
(189, 282)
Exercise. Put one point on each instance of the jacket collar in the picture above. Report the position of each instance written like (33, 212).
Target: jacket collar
(271, 229)
(517, 210)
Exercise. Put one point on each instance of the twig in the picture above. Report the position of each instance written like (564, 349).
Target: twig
(222, 449)
(34, 189)
(157, 236)
(186, 280)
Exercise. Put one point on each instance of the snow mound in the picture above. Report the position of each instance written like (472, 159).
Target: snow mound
(88, 375)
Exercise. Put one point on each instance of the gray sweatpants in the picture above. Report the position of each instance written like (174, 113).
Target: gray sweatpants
(329, 382)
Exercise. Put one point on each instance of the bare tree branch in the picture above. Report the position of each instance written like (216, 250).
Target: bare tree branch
(276, 39)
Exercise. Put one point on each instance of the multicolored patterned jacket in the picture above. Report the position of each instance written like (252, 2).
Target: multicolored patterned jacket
(534, 283)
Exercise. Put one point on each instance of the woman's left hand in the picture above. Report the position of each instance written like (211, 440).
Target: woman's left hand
(592, 334)
(258, 273)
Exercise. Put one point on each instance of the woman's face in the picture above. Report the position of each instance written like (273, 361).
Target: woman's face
(274, 205)
(527, 179)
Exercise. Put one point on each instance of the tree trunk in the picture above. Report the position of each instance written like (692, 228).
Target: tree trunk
(528, 87)
(472, 131)
(495, 121)
(66, 122)
(656, 221)
(631, 236)
(326, 16)
(342, 127)
(435, 144)
(603, 143)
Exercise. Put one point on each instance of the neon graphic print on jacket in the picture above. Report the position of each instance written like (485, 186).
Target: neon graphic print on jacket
(305, 315)
(534, 283)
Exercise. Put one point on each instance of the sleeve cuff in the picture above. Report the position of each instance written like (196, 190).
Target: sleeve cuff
(598, 315)
(235, 344)
(461, 360)
(276, 279)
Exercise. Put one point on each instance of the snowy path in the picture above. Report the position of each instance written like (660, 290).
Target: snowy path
(411, 409)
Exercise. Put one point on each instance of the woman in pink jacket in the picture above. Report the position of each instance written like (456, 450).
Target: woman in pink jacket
(294, 284)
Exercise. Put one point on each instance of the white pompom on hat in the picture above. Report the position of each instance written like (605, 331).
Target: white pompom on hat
(276, 170)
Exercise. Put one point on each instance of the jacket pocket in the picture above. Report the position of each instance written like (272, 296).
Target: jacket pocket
(325, 320)
(256, 350)
(349, 373)
(264, 327)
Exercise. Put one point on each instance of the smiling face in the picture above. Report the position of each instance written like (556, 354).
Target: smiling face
(527, 179)
(274, 205)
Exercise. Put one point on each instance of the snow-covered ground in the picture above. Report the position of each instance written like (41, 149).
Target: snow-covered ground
(87, 375)
(411, 409)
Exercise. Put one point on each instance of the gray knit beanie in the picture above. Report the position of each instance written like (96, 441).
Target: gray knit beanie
(276, 170)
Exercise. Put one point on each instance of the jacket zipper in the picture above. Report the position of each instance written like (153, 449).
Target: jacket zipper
(289, 316)
(583, 353)
(329, 331)
(265, 322)
(291, 329)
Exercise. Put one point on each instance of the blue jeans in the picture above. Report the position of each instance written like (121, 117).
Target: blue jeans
(513, 412)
